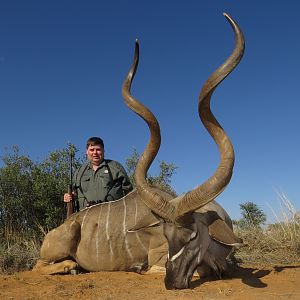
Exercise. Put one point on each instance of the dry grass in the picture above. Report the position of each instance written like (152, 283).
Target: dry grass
(277, 243)
(18, 253)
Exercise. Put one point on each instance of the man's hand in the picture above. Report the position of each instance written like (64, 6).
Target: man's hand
(68, 197)
(70, 205)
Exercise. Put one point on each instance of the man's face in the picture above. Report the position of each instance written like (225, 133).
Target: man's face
(95, 154)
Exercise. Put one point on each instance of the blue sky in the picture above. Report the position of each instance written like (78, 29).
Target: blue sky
(62, 65)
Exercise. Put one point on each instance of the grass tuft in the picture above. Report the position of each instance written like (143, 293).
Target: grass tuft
(18, 253)
(277, 243)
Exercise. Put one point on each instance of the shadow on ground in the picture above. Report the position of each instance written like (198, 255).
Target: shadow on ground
(250, 276)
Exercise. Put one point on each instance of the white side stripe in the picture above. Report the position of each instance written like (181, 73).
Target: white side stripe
(124, 231)
(136, 233)
(98, 236)
(111, 254)
(83, 220)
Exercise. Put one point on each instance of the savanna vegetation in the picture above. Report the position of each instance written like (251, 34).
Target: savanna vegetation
(269, 244)
(31, 205)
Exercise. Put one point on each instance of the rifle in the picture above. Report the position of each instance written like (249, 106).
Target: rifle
(72, 206)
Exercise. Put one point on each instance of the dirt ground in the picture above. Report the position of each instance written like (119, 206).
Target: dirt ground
(246, 282)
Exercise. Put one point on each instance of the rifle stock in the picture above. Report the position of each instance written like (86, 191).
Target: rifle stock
(70, 206)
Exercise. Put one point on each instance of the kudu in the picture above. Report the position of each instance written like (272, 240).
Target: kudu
(198, 230)
(136, 231)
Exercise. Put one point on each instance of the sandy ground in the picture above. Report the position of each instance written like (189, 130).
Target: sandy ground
(247, 282)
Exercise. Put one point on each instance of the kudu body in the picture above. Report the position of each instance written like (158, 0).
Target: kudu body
(141, 229)
(121, 235)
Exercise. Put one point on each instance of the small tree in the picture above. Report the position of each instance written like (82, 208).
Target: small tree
(16, 186)
(31, 192)
(130, 165)
(162, 180)
(51, 179)
(253, 216)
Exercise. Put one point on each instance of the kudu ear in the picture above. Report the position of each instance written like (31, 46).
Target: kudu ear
(219, 230)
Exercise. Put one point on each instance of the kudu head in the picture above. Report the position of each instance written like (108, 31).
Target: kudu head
(186, 233)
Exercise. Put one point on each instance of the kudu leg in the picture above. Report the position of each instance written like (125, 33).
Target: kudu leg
(45, 268)
(157, 258)
(59, 245)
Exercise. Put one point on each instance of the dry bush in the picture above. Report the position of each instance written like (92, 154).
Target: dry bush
(277, 243)
(18, 253)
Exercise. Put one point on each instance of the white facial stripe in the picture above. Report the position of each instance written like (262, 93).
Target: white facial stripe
(177, 254)
(193, 235)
